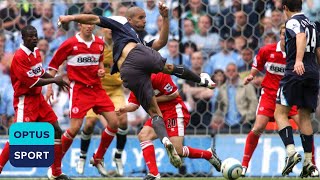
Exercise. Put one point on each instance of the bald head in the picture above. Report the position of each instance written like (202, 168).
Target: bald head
(137, 18)
(132, 11)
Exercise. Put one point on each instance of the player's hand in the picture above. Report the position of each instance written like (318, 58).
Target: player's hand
(62, 83)
(101, 73)
(64, 20)
(49, 94)
(121, 111)
(163, 9)
(248, 79)
(299, 68)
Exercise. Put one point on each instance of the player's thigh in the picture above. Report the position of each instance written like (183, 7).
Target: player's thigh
(281, 111)
(147, 133)
(112, 119)
(46, 113)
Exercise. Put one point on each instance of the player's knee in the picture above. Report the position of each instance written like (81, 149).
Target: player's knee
(258, 130)
(179, 150)
(143, 135)
(114, 124)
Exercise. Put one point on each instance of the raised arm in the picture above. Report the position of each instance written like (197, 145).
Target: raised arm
(80, 18)
(164, 32)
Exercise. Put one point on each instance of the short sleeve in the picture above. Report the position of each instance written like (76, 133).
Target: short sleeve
(24, 73)
(60, 56)
(259, 60)
(294, 27)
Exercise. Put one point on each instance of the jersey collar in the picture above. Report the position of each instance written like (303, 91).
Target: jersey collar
(297, 14)
(278, 49)
(81, 40)
(27, 50)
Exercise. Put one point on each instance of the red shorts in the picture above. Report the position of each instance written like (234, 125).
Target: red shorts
(175, 120)
(33, 109)
(84, 97)
(267, 105)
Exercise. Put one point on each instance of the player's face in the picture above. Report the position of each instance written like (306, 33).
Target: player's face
(86, 29)
(30, 40)
(138, 21)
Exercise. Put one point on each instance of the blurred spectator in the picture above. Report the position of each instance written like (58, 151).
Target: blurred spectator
(247, 57)
(219, 78)
(311, 9)
(240, 43)
(6, 104)
(152, 13)
(188, 30)
(277, 19)
(217, 122)
(221, 59)
(5, 57)
(150, 37)
(10, 16)
(207, 42)
(174, 19)
(14, 40)
(87, 7)
(237, 102)
(172, 55)
(216, 6)
(242, 28)
(194, 12)
(121, 10)
(46, 17)
(198, 98)
(189, 48)
(43, 46)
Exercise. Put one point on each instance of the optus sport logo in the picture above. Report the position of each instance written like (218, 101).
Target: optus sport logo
(31, 144)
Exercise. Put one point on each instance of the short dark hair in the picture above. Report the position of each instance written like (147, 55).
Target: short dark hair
(293, 5)
(24, 31)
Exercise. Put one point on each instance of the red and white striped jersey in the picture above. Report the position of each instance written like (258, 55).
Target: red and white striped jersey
(82, 59)
(162, 85)
(273, 60)
(26, 69)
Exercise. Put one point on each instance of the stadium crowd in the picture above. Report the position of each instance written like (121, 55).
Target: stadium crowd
(220, 38)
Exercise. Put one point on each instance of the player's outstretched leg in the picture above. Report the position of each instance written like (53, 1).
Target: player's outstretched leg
(183, 72)
(251, 144)
(309, 169)
(159, 128)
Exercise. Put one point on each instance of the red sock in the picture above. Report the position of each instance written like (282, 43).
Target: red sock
(4, 157)
(251, 144)
(196, 153)
(313, 154)
(106, 139)
(149, 156)
(66, 141)
(56, 166)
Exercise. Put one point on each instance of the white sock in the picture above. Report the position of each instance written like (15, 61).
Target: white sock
(290, 150)
(307, 158)
(165, 140)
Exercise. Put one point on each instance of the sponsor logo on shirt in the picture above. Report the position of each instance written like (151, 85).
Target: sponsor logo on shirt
(275, 68)
(87, 59)
(35, 70)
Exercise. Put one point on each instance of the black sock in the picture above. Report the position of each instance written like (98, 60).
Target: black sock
(183, 72)
(286, 135)
(85, 141)
(121, 142)
(307, 142)
(159, 127)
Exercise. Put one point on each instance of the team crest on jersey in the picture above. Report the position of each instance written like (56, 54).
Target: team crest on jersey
(271, 55)
(100, 47)
(75, 110)
(75, 48)
(168, 88)
(261, 108)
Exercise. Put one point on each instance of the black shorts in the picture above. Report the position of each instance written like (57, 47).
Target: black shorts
(302, 92)
(136, 72)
